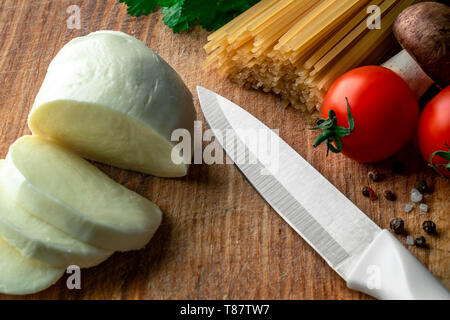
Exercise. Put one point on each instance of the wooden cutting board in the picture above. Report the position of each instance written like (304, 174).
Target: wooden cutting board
(219, 239)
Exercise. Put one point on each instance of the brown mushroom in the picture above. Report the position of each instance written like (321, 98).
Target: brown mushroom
(423, 30)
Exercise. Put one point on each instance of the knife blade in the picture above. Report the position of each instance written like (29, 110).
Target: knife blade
(307, 201)
(336, 228)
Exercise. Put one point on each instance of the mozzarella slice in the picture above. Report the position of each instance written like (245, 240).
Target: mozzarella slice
(38, 240)
(111, 99)
(19, 275)
(73, 195)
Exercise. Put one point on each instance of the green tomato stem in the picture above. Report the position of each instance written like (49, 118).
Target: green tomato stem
(442, 154)
(333, 133)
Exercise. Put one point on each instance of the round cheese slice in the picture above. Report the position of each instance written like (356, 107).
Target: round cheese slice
(68, 192)
(111, 99)
(40, 241)
(19, 275)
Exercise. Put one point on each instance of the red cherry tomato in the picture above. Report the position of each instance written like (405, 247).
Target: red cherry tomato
(384, 109)
(434, 129)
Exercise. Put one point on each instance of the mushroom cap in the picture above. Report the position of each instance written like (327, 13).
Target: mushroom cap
(423, 30)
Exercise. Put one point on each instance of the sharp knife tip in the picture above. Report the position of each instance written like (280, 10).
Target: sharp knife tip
(205, 96)
(201, 90)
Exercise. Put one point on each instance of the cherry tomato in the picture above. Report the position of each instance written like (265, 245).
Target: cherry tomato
(384, 109)
(434, 129)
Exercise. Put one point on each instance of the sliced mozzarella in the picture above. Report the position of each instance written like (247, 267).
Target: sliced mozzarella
(73, 195)
(19, 275)
(110, 98)
(40, 241)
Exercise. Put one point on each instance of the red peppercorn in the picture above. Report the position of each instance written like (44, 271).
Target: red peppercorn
(369, 193)
(389, 195)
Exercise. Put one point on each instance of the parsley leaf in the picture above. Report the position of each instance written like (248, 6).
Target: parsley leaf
(180, 15)
(174, 18)
(140, 7)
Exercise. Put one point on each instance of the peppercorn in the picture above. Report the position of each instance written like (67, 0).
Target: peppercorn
(397, 225)
(365, 192)
(397, 167)
(420, 241)
(369, 193)
(421, 186)
(429, 227)
(389, 195)
(374, 176)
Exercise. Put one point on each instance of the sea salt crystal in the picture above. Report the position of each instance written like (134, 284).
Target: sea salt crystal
(423, 207)
(416, 196)
(408, 207)
(409, 240)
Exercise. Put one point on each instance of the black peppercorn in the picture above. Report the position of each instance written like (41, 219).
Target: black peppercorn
(420, 241)
(374, 176)
(429, 227)
(397, 167)
(421, 186)
(365, 192)
(389, 195)
(397, 225)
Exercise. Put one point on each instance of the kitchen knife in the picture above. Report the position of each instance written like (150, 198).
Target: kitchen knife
(369, 259)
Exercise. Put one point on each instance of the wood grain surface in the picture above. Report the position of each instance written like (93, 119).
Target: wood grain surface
(219, 239)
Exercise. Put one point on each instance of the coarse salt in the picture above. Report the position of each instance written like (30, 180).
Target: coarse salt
(423, 207)
(408, 207)
(409, 240)
(416, 196)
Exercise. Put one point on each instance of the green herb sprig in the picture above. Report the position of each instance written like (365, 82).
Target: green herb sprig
(180, 15)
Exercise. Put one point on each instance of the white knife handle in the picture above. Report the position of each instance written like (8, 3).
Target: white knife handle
(389, 271)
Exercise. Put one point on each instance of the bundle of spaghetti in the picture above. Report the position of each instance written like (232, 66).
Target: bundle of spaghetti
(298, 48)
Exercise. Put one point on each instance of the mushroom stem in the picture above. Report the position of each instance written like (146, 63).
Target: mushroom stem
(406, 67)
